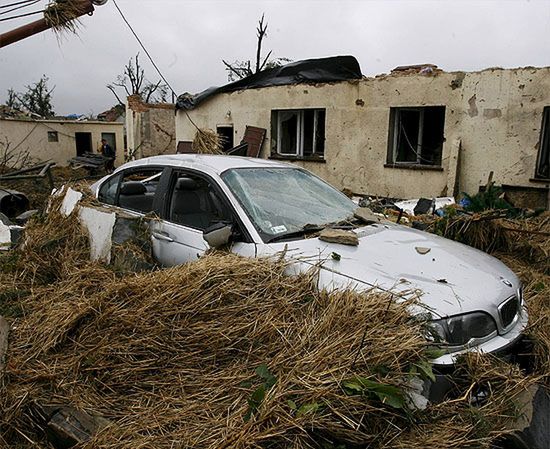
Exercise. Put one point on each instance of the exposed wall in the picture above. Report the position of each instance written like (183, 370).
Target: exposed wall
(495, 114)
(32, 136)
(150, 128)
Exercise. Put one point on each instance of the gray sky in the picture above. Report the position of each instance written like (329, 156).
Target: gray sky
(188, 39)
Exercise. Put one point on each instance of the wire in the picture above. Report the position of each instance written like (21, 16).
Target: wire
(144, 49)
(22, 15)
(15, 4)
(33, 2)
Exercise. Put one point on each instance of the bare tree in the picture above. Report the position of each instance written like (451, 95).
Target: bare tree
(11, 159)
(241, 69)
(133, 82)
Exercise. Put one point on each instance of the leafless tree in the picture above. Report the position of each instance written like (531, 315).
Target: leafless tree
(241, 69)
(133, 82)
(11, 159)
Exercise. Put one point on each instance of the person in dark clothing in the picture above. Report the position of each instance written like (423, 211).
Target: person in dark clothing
(108, 152)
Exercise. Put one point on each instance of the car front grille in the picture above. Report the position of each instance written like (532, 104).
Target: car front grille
(508, 311)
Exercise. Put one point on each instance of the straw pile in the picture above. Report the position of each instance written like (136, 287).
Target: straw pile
(207, 141)
(490, 231)
(229, 352)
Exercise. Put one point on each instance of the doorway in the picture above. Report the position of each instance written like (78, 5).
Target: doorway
(83, 143)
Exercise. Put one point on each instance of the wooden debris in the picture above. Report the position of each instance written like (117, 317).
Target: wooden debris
(4, 332)
(339, 236)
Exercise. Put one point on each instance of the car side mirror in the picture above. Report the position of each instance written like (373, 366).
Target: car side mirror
(218, 234)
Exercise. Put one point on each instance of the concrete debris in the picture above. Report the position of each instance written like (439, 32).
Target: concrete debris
(422, 250)
(65, 426)
(23, 218)
(10, 233)
(339, 236)
(366, 215)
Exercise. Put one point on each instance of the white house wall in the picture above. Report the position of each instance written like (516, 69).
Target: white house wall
(496, 115)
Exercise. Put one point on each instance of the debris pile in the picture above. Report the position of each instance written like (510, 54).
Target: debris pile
(227, 352)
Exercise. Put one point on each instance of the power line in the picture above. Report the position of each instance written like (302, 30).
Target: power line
(16, 3)
(33, 2)
(22, 15)
(144, 49)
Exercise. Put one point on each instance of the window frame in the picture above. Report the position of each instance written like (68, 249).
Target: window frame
(53, 136)
(544, 140)
(300, 133)
(394, 131)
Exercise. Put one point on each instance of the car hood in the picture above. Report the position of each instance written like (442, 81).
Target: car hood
(453, 278)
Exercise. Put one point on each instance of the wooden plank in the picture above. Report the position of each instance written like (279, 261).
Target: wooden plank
(184, 147)
(254, 137)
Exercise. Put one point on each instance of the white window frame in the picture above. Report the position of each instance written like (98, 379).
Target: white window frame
(300, 134)
(396, 130)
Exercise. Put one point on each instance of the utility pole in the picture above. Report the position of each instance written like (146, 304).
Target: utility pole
(82, 7)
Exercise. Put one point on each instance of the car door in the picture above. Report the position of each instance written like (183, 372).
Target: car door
(192, 203)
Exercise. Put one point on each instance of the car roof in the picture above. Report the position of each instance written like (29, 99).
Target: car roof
(209, 163)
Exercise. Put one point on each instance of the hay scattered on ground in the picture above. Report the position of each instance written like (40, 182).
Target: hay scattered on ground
(230, 352)
(207, 141)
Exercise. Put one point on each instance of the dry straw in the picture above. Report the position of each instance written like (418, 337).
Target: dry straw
(229, 352)
(207, 141)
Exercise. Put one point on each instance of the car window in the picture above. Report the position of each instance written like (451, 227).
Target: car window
(279, 201)
(194, 202)
(108, 190)
(137, 189)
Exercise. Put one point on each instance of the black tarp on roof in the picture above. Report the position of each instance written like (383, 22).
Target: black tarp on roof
(323, 70)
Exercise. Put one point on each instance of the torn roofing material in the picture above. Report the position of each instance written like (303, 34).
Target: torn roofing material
(323, 70)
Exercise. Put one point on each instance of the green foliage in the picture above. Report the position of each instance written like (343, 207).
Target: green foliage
(36, 100)
(258, 395)
(387, 394)
(490, 199)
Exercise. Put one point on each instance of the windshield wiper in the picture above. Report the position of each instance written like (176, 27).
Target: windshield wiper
(288, 235)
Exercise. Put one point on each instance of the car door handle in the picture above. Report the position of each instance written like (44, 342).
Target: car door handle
(162, 236)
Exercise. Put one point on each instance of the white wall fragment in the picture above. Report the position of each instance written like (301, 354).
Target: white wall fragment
(5, 236)
(72, 197)
(100, 226)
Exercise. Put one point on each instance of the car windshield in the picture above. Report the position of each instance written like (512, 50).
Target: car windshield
(283, 201)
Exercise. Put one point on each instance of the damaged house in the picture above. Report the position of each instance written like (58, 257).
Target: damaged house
(418, 131)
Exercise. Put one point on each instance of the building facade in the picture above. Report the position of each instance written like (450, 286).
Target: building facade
(59, 140)
(417, 132)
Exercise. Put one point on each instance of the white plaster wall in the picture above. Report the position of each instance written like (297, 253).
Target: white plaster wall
(32, 136)
(505, 142)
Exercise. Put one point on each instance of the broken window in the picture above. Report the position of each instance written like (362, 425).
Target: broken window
(416, 135)
(298, 132)
(543, 158)
(226, 136)
(53, 136)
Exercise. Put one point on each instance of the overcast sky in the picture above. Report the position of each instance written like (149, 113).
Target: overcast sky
(188, 39)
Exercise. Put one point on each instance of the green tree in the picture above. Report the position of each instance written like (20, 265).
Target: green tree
(37, 99)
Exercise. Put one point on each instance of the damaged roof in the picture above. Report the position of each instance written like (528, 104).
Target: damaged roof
(322, 70)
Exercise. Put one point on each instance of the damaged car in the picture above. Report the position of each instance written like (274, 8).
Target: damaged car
(263, 207)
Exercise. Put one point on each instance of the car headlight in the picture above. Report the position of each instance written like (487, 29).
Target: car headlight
(460, 330)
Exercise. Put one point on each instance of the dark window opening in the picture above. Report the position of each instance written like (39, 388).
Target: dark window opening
(416, 135)
(83, 143)
(299, 133)
(110, 138)
(543, 158)
(226, 136)
(53, 136)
